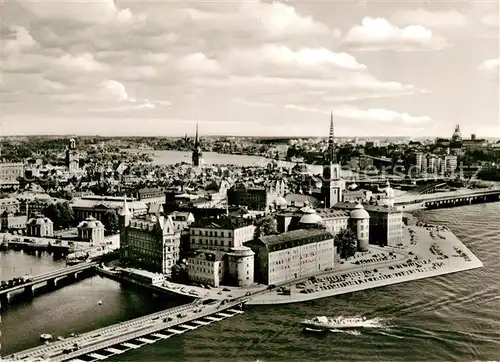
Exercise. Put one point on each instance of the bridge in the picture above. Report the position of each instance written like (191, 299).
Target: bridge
(116, 339)
(447, 199)
(50, 278)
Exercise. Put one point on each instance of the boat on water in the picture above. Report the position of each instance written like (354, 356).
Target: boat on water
(45, 337)
(99, 302)
(321, 323)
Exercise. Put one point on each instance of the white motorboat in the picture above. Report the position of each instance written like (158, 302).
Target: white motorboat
(323, 322)
(45, 337)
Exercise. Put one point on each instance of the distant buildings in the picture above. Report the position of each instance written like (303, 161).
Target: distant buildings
(97, 206)
(197, 154)
(72, 157)
(11, 171)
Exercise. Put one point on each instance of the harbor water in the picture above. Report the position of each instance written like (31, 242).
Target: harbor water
(451, 317)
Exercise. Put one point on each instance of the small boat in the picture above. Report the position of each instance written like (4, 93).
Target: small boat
(323, 322)
(45, 337)
(99, 302)
(60, 338)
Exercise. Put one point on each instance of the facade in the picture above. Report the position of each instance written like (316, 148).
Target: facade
(149, 193)
(181, 220)
(294, 254)
(11, 171)
(12, 222)
(218, 253)
(10, 205)
(40, 227)
(72, 157)
(450, 163)
(220, 234)
(206, 267)
(359, 223)
(150, 243)
(97, 206)
(91, 230)
(255, 198)
(386, 225)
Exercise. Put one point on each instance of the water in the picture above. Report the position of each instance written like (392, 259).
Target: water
(452, 317)
(213, 158)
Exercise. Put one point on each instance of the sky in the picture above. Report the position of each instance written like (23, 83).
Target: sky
(250, 68)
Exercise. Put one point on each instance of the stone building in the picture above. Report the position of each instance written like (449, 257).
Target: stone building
(294, 254)
(151, 243)
(217, 251)
(40, 227)
(91, 230)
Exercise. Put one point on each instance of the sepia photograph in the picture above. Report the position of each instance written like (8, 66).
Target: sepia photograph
(249, 180)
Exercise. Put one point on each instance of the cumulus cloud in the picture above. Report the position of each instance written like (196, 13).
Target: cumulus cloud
(431, 19)
(490, 67)
(380, 34)
(370, 115)
(89, 11)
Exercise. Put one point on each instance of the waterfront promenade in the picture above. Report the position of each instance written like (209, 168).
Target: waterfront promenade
(431, 251)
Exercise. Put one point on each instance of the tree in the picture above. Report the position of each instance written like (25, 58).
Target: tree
(61, 214)
(346, 243)
(266, 226)
(110, 222)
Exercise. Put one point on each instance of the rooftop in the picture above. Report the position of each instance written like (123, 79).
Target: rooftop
(295, 235)
(226, 223)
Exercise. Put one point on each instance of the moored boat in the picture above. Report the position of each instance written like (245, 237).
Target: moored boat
(45, 337)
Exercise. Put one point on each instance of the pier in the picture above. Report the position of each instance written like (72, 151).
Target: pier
(50, 279)
(446, 199)
(50, 247)
(110, 341)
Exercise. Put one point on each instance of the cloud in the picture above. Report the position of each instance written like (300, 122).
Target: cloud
(431, 19)
(490, 67)
(380, 34)
(371, 115)
(107, 96)
(491, 20)
(90, 11)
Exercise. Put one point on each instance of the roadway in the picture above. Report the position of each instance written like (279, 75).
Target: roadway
(51, 274)
(119, 333)
(408, 199)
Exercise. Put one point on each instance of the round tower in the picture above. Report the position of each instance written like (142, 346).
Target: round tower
(360, 225)
(241, 265)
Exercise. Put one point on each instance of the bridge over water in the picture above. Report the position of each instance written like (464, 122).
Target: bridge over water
(109, 341)
(447, 199)
(50, 279)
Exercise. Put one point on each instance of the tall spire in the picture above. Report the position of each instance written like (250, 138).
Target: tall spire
(331, 140)
(125, 210)
(196, 139)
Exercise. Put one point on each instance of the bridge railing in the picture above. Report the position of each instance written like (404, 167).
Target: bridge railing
(139, 333)
(68, 343)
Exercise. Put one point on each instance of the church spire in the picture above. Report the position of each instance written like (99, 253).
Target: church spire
(331, 140)
(196, 139)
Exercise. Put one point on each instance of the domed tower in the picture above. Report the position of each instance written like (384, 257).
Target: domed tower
(241, 266)
(332, 186)
(197, 154)
(360, 224)
(72, 157)
(310, 219)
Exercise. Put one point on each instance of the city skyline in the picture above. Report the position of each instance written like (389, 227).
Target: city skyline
(250, 68)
